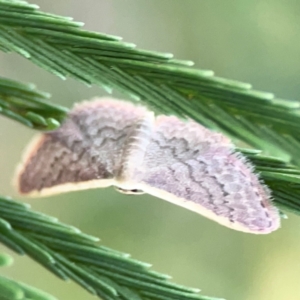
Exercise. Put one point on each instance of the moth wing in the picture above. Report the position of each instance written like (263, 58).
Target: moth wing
(85, 152)
(193, 167)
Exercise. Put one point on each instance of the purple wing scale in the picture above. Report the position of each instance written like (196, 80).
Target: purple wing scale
(85, 152)
(191, 166)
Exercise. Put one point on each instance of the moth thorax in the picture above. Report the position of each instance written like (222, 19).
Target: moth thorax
(135, 147)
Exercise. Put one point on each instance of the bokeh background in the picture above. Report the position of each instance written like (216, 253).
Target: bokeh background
(255, 41)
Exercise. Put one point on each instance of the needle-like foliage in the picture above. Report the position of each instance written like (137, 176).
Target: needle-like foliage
(25, 104)
(70, 254)
(13, 290)
(5, 260)
(168, 85)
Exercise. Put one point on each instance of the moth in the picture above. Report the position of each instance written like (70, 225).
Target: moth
(107, 142)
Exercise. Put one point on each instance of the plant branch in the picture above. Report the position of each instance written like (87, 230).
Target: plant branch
(15, 290)
(70, 254)
(168, 85)
(23, 103)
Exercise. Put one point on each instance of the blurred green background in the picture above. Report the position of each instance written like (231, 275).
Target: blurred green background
(255, 41)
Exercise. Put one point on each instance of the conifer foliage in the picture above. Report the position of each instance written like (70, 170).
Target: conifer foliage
(269, 126)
